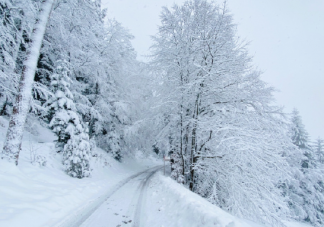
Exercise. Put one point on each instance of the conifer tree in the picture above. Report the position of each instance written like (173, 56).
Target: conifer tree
(76, 154)
(305, 189)
(299, 133)
(73, 141)
(61, 105)
(319, 149)
(300, 138)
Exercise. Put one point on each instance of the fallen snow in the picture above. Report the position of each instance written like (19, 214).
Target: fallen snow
(170, 204)
(32, 195)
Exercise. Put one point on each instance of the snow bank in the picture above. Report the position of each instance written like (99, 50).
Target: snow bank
(175, 205)
(35, 195)
(172, 205)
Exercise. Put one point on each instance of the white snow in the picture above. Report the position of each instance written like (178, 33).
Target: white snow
(32, 195)
(171, 204)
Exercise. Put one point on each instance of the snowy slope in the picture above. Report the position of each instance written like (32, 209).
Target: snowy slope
(34, 195)
(174, 205)
(169, 204)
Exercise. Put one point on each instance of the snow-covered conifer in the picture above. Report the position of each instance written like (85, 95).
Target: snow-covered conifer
(76, 153)
(73, 140)
(299, 134)
(61, 106)
(305, 189)
(318, 148)
(300, 138)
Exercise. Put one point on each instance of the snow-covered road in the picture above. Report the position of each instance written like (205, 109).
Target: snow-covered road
(121, 206)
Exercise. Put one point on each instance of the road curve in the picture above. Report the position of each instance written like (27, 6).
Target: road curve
(120, 206)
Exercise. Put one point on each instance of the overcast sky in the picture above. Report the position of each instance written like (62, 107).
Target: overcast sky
(287, 42)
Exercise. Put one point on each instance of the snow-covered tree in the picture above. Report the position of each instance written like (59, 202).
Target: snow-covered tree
(12, 145)
(102, 59)
(318, 148)
(115, 103)
(76, 154)
(61, 107)
(101, 62)
(10, 27)
(73, 140)
(16, 23)
(305, 195)
(299, 134)
(300, 138)
(305, 189)
(226, 137)
(18, 18)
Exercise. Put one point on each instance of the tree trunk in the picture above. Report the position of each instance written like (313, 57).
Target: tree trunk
(193, 152)
(181, 141)
(4, 107)
(12, 145)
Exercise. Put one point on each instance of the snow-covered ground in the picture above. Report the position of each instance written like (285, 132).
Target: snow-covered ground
(171, 204)
(33, 195)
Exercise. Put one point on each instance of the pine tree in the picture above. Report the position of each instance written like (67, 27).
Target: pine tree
(305, 189)
(61, 106)
(299, 133)
(300, 138)
(73, 140)
(319, 149)
(76, 154)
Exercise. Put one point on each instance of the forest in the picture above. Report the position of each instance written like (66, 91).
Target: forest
(198, 99)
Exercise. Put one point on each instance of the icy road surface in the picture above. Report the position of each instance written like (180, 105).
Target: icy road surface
(121, 206)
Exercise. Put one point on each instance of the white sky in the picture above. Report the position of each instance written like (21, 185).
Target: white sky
(287, 42)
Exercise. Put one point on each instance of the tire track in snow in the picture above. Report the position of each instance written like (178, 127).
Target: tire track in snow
(78, 217)
(138, 211)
